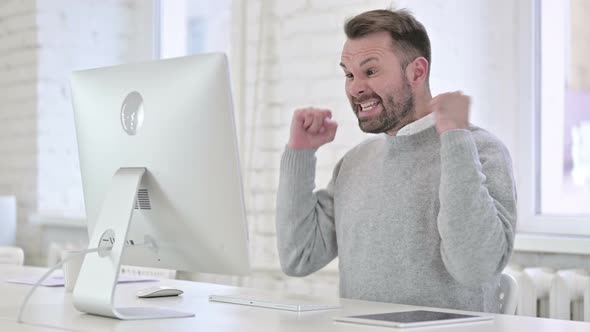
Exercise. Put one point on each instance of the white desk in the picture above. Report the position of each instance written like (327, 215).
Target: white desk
(51, 310)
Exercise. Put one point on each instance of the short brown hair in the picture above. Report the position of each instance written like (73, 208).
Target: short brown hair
(409, 36)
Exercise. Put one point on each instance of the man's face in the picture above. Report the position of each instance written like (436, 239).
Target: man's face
(378, 90)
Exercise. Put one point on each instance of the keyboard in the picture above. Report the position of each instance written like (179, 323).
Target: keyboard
(258, 301)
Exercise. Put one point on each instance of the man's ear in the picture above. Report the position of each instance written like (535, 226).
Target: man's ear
(417, 71)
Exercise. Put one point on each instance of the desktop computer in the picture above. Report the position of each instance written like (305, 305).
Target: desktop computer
(160, 173)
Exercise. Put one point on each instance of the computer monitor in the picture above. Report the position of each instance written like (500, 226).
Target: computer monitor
(160, 173)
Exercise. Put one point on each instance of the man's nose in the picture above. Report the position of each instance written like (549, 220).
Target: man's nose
(358, 87)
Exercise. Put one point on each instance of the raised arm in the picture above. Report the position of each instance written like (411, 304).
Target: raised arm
(477, 218)
(305, 219)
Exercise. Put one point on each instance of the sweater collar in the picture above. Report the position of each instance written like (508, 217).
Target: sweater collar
(417, 126)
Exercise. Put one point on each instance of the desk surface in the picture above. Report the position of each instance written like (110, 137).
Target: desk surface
(50, 309)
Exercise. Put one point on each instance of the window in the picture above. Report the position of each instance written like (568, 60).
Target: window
(564, 108)
(190, 27)
(555, 193)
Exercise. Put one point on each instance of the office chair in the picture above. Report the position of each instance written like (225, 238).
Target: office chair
(12, 256)
(507, 294)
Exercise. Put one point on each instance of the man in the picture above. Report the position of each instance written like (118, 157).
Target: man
(422, 215)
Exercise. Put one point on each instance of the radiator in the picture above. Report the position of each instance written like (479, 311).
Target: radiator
(550, 293)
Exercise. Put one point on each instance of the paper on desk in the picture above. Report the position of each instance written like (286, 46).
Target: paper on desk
(58, 280)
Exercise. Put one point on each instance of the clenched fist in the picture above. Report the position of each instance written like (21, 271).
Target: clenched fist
(451, 111)
(311, 128)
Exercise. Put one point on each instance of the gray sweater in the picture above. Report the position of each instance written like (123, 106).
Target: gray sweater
(421, 219)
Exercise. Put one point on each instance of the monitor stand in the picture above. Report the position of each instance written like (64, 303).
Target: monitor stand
(94, 292)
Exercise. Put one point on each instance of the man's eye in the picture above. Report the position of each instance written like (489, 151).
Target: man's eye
(348, 75)
(370, 72)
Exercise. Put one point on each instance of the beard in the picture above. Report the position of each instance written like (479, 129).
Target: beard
(396, 109)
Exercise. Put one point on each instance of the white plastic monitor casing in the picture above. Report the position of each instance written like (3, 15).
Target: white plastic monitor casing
(184, 153)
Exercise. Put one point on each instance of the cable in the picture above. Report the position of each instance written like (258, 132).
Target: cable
(49, 272)
(60, 264)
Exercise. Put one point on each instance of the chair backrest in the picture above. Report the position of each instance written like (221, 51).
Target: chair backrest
(507, 294)
(7, 220)
(12, 256)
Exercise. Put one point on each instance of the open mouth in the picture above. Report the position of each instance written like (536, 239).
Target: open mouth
(368, 107)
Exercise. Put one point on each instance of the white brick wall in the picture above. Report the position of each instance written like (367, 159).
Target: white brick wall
(41, 42)
(18, 110)
(474, 49)
(85, 40)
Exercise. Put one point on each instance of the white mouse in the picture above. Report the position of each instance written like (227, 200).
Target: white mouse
(158, 291)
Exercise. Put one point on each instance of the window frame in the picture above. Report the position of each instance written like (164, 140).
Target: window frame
(536, 228)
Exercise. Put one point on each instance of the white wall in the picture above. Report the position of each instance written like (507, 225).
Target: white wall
(474, 49)
(18, 110)
(89, 34)
(41, 42)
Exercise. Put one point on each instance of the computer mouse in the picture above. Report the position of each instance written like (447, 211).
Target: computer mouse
(158, 291)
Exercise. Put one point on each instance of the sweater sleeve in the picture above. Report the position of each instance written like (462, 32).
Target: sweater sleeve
(306, 233)
(477, 217)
